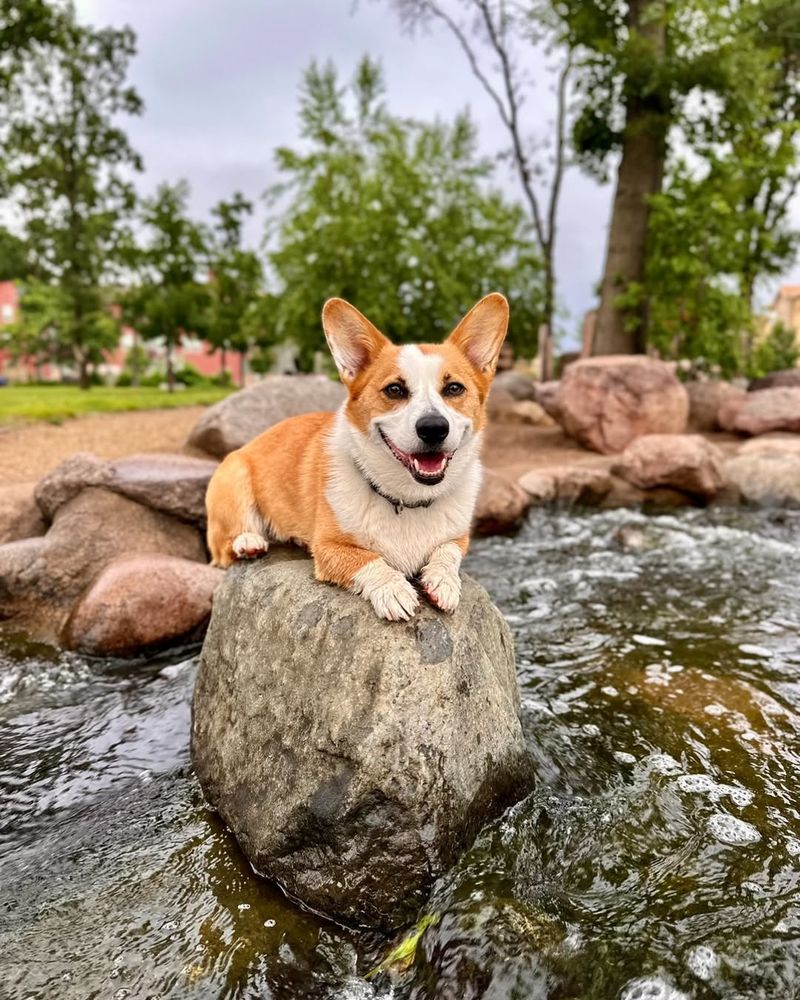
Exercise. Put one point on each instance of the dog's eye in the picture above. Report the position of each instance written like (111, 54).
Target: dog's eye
(395, 390)
(454, 389)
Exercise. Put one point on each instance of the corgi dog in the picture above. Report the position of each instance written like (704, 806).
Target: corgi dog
(383, 491)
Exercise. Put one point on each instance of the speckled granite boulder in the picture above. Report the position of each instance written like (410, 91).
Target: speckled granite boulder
(354, 759)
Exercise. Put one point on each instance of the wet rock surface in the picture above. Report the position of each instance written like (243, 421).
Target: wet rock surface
(501, 505)
(142, 601)
(244, 415)
(354, 759)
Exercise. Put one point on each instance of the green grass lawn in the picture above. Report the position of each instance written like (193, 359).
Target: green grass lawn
(54, 403)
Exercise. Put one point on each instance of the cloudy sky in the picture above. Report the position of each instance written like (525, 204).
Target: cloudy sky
(220, 83)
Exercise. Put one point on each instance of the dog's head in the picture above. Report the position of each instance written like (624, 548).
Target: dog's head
(414, 412)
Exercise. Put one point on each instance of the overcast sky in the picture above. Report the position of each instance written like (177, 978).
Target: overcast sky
(220, 83)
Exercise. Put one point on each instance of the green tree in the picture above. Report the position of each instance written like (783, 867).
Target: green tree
(24, 25)
(169, 300)
(394, 215)
(722, 225)
(68, 166)
(776, 351)
(237, 277)
(500, 41)
(718, 76)
(44, 329)
(14, 257)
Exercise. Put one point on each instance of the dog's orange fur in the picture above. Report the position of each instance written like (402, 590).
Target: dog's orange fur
(276, 483)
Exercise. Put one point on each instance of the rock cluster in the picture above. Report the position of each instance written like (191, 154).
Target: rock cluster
(354, 759)
(116, 559)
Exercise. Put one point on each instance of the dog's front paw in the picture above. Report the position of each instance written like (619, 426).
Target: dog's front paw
(395, 601)
(387, 590)
(249, 545)
(440, 579)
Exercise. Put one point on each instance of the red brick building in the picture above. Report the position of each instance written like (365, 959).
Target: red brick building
(192, 351)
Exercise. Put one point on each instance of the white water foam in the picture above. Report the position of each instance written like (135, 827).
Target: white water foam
(731, 830)
(651, 988)
(703, 962)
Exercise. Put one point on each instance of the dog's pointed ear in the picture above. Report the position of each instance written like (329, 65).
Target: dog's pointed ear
(481, 333)
(352, 339)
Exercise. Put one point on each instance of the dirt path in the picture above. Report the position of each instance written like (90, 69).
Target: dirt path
(28, 452)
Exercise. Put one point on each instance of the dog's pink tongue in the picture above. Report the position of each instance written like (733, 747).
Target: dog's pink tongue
(430, 463)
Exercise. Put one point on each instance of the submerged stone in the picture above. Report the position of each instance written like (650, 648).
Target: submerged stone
(354, 759)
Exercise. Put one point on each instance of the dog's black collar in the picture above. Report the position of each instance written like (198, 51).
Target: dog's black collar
(399, 505)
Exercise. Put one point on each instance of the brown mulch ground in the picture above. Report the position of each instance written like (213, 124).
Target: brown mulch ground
(28, 452)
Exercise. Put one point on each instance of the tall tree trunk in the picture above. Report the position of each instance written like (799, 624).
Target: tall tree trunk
(223, 361)
(170, 368)
(546, 329)
(640, 175)
(83, 368)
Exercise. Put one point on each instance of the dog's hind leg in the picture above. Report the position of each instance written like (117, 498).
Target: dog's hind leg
(236, 529)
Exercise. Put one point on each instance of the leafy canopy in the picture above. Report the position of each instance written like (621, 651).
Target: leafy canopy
(67, 168)
(169, 298)
(395, 215)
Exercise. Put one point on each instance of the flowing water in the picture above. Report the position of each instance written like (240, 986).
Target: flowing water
(658, 858)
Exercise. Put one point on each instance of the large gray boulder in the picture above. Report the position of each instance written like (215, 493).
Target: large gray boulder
(353, 759)
(244, 415)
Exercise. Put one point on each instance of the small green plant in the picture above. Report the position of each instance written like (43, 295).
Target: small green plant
(401, 957)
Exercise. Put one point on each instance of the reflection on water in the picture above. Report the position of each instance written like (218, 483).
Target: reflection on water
(658, 858)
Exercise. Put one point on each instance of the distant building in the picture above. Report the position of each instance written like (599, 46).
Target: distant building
(191, 351)
(9, 303)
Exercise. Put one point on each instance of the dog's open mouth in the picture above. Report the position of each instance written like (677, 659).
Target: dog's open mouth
(425, 466)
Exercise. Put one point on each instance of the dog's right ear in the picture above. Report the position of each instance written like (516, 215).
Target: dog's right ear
(353, 341)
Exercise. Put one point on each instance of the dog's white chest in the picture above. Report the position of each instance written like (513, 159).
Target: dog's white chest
(405, 540)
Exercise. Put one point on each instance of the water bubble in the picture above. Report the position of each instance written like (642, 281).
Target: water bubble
(731, 830)
(243, 906)
(696, 783)
(650, 988)
(739, 796)
(752, 650)
(715, 709)
(793, 846)
(624, 758)
(269, 923)
(703, 962)
(647, 640)
(662, 763)
(610, 691)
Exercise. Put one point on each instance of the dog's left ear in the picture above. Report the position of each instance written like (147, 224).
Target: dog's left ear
(481, 333)
(354, 341)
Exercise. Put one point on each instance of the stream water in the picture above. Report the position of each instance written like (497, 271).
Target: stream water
(658, 858)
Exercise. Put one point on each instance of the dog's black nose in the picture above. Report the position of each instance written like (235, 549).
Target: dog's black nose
(432, 429)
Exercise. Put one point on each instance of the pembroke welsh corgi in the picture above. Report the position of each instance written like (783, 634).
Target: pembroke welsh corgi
(383, 491)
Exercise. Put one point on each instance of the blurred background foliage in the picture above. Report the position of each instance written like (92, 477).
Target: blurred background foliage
(691, 107)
